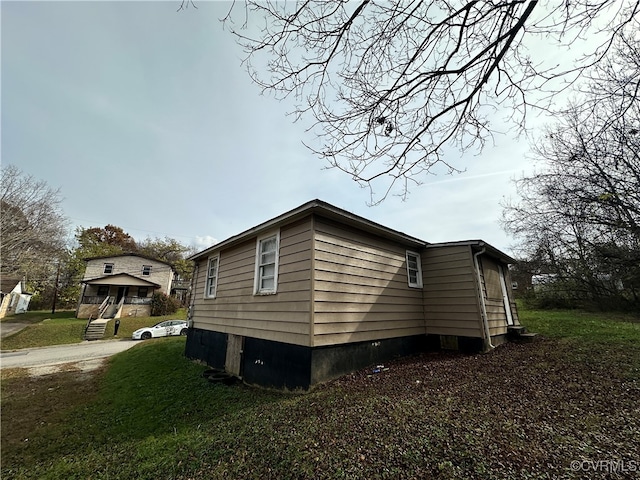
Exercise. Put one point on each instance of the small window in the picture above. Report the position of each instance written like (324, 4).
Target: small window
(143, 292)
(212, 277)
(414, 270)
(267, 265)
(108, 268)
(146, 270)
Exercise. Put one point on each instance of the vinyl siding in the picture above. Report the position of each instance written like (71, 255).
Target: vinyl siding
(451, 300)
(361, 291)
(283, 316)
(161, 273)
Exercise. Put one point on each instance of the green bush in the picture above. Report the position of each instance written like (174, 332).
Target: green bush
(162, 304)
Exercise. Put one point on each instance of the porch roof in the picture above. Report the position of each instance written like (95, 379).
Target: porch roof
(121, 279)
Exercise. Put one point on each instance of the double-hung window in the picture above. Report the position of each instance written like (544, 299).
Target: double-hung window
(414, 270)
(146, 270)
(212, 277)
(267, 264)
(108, 268)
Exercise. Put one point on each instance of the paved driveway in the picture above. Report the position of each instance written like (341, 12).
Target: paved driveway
(86, 355)
(9, 328)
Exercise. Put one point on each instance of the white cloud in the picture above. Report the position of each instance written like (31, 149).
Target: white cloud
(203, 242)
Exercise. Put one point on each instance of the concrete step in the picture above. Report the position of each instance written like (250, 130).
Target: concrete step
(518, 333)
(517, 329)
(95, 330)
(526, 337)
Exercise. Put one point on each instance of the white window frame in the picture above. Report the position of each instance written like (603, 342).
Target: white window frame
(418, 270)
(148, 271)
(258, 276)
(109, 266)
(212, 280)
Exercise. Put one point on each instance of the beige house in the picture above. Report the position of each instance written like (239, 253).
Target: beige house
(318, 292)
(122, 285)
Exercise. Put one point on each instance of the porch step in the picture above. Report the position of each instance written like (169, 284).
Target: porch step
(516, 330)
(519, 333)
(526, 337)
(95, 330)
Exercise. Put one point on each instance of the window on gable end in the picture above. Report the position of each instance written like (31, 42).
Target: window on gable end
(267, 264)
(414, 270)
(212, 277)
(108, 268)
(146, 270)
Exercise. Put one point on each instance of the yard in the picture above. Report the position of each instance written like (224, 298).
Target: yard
(563, 406)
(44, 329)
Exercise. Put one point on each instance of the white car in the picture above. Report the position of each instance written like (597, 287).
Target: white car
(162, 329)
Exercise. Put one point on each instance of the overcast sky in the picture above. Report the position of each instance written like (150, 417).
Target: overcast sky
(145, 119)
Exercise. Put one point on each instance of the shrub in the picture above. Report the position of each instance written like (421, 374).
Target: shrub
(162, 304)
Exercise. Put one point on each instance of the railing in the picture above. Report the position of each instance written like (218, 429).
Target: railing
(86, 327)
(137, 300)
(94, 300)
(119, 309)
(180, 284)
(104, 305)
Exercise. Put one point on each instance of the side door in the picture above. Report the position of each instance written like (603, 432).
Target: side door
(505, 295)
(160, 330)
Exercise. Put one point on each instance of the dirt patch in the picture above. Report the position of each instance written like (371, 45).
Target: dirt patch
(33, 400)
(82, 366)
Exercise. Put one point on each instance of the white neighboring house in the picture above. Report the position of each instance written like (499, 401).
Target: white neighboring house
(122, 285)
(14, 298)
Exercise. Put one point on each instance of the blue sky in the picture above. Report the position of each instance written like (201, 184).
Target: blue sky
(145, 119)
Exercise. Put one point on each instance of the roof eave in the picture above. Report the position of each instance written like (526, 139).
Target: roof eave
(323, 209)
(478, 245)
(120, 275)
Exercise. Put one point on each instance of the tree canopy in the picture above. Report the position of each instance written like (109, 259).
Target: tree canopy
(579, 214)
(98, 241)
(390, 84)
(171, 251)
(33, 226)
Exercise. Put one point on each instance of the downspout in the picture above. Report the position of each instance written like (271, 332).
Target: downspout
(485, 321)
(192, 295)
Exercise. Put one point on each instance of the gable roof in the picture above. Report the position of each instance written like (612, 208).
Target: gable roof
(8, 283)
(120, 279)
(340, 215)
(325, 210)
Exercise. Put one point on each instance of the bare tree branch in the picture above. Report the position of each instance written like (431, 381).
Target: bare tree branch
(32, 224)
(582, 209)
(391, 84)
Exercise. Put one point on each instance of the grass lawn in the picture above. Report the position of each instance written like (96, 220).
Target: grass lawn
(523, 411)
(45, 329)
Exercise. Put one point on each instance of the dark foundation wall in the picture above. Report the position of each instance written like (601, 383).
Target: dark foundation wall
(331, 362)
(285, 366)
(276, 364)
(206, 346)
(264, 363)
